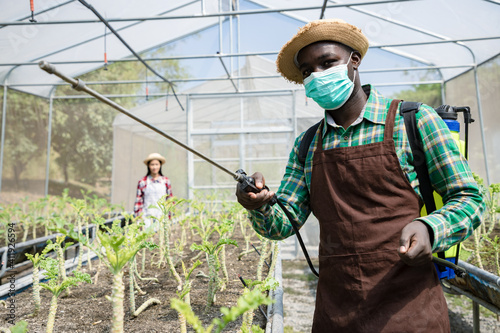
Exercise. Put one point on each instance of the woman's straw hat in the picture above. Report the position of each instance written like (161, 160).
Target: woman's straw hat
(154, 156)
(335, 30)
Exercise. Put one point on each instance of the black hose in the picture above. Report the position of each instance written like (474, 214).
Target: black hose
(296, 229)
(103, 20)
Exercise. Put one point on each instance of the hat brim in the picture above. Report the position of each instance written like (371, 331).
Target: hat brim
(334, 30)
(161, 159)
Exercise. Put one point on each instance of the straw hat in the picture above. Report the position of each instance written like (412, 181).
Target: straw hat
(320, 30)
(154, 156)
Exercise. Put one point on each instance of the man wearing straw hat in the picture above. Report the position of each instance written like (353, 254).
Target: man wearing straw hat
(375, 269)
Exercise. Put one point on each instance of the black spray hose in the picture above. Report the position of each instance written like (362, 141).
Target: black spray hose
(296, 229)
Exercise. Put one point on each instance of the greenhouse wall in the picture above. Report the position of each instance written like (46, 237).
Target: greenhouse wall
(461, 91)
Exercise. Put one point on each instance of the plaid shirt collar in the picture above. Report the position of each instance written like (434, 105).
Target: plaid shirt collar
(373, 111)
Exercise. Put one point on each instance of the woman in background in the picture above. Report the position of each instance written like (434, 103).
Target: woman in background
(151, 188)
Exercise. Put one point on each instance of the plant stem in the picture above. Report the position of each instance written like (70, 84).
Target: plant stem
(276, 249)
(497, 263)
(25, 234)
(182, 321)
(60, 259)
(477, 249)
(213, 281)
(117, 295)
(225, 280)
(263, 255)
(131, 291)
(36, 289)
(143, 260)
(145, 305)
(132, 282)
(52, 314)
(80, 247)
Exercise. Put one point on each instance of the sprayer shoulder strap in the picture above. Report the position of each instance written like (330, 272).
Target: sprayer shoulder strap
(408, 110)
(306, 142)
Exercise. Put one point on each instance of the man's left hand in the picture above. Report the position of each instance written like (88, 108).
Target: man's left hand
(415, 246)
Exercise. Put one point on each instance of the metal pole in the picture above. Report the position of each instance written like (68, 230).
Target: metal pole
(238, 40)
(79, 85)
(481, 124)
(220, 27)
(190, 162)
(220, 14)
(476, 327)
(231, 38)
(295, 134)
(4, 116)
(239, 77)
(49, 142)
(443, 93)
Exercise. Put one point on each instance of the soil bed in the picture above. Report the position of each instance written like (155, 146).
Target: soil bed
(86, 309)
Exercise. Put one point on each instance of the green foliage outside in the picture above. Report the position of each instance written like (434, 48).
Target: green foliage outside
(429, 94)
(82, 132)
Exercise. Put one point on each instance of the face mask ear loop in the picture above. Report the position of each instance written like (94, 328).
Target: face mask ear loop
(350, 56)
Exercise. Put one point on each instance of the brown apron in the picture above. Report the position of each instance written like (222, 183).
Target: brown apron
(363, 200)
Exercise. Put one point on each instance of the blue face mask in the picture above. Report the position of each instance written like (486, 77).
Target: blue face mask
(330, 88)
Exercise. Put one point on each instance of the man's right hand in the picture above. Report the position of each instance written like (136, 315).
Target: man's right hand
(251, 200)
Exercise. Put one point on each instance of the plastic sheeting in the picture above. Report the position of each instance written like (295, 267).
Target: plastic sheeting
(385, 23)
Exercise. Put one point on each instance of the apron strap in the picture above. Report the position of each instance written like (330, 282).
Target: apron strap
(319, 144)
(389, 120)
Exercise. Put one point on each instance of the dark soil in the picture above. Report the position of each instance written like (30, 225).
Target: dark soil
(86, 309)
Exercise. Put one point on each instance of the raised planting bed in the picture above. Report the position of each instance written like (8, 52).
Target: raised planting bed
(87, 309)
(479, 285)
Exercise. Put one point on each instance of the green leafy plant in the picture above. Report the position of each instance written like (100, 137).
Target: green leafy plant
(495, 248)
(482, 236)
(275, 251)
(37, 260)
(226, 226)
(264, 254)
(19, 327)
(247, 302)
(268, 284)
(56, 286)
(118, 246)
(167, 209)
(59, 249)
(134, 285)
(212, 250)
(184, 293)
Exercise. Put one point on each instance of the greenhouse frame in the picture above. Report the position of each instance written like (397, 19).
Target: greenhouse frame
(229, 54)
(196, 81)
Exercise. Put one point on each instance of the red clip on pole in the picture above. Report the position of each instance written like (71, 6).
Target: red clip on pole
(105, 50)
(32, 7)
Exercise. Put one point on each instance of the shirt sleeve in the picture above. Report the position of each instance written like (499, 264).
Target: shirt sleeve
(139, 199)
(270, 221)
(452, 179)
(169, 188)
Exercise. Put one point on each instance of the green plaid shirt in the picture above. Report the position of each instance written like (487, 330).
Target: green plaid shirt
(449, 173)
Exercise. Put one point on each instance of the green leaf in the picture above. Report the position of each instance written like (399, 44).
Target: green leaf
(191, 318)
(20, 327)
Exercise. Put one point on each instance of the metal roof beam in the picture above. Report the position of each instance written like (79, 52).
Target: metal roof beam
(204, 56)
(42, 12)
(256, 93)
(383, 70)
(230, 13)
